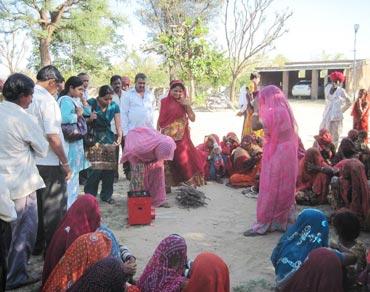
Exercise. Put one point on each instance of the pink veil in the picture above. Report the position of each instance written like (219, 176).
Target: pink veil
(277, 116)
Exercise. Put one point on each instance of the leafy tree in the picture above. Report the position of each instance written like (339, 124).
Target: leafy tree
(135, 63)
(164, 17)
(84, 23)
(186, 50)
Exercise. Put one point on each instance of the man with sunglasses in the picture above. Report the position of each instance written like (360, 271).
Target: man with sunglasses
(54, 168)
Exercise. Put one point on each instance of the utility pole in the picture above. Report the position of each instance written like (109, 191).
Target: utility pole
(354, 69)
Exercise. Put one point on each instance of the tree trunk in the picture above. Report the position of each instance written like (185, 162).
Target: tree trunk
(233, 89)
(192, 89)
(171, 72)
(44, 52)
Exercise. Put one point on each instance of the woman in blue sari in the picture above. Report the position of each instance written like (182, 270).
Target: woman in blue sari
(73, 106)
(104, 110)
(302, 259)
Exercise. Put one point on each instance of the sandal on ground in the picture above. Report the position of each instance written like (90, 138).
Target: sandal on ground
(251, 233)
(109, 201)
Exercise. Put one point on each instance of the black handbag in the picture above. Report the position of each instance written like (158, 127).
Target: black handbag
(74, 131)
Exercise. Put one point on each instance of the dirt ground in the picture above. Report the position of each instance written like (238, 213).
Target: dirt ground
(219, 226)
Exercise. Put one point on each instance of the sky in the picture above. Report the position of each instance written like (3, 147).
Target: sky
(316, 26)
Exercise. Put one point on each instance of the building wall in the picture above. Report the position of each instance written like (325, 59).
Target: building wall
(362, 78)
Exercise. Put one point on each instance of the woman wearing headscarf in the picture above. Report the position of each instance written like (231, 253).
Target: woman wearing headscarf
(276, 203)
(248, 94)
(83, 217)
(337, 102)
(85, 251)
(146, 149)
(351, 190)
(165, 270)
(173, 121)
(347, 149)
(324, 143)
(360, 112)
(213, 160)
(209, 273)
(246, 163)
(313, 179)
(301, 261)
(228, 144)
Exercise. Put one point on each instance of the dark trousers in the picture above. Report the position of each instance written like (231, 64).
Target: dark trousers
(51, 204)
(92, 184)
(5, 239)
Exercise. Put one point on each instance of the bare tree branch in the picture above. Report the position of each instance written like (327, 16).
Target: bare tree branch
(248, 33)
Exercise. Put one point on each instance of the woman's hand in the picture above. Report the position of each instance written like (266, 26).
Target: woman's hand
(92, 117)
(129, 267)
(79, 112)
(118, 141)
(184, 101)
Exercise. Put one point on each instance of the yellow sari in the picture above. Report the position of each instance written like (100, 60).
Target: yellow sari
(247, 125)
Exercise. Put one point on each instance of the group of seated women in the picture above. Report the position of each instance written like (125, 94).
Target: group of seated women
(84, 255)
(336, 177)
(239, 161)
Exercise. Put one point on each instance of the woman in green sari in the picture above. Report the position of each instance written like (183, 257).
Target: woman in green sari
(104, 110)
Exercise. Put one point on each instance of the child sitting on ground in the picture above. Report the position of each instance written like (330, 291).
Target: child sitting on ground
(348, 227)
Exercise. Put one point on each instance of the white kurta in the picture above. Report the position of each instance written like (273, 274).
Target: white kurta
(333, 114)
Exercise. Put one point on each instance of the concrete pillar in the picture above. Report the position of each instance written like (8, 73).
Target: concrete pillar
(315, 84)
(286, 83)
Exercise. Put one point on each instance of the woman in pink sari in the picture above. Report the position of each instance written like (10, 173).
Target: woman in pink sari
(173, 121)
(146, 149)
(279, 169)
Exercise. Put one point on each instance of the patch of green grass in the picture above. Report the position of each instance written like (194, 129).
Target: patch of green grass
(254, 286)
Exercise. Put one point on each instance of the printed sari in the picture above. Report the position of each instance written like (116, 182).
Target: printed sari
(165, 270)
(83, 253)
(83, 217)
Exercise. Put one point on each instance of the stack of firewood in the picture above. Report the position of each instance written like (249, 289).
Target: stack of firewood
(189, 197)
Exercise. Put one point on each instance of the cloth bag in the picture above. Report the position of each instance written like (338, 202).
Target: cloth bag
(102, 156)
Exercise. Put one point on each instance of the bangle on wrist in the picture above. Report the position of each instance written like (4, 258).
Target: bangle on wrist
(64, 164)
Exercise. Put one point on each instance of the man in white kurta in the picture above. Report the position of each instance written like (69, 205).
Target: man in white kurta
(137, 110)
(337, 102)
(137, 106)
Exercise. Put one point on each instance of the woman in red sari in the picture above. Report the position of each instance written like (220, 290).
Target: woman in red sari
(351, 190)
(173, 121)
(324, 143)
(313, 179)
(360, 111)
